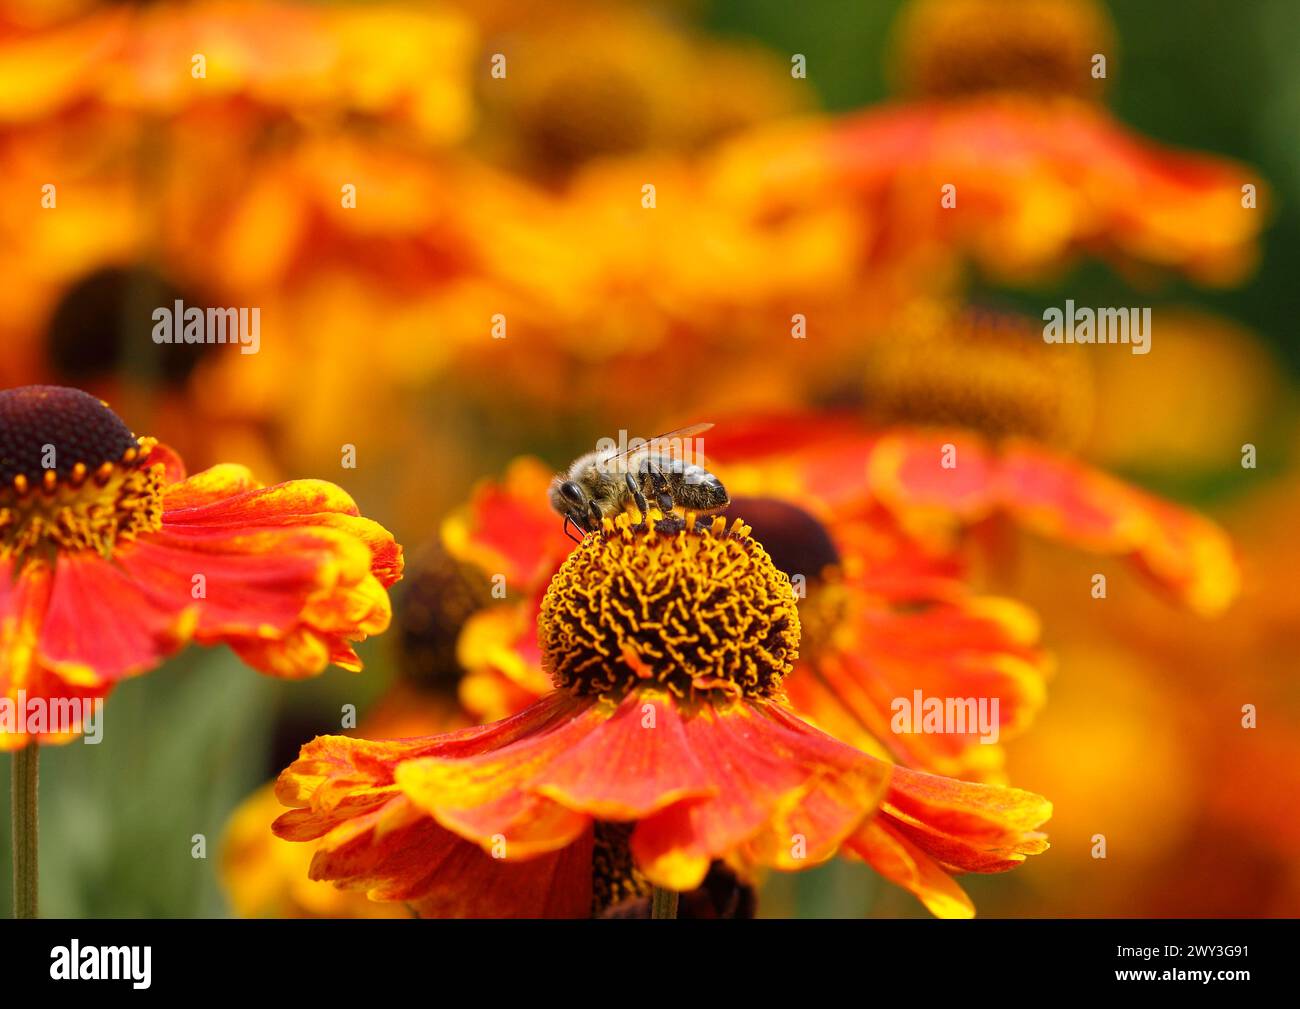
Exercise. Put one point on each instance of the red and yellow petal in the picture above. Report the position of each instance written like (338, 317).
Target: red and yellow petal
(264, 876)
(509, 529)
(1058, 497)
(491, 798)
(972, 827)
(788, 797)
(103, 623)
(334, 770)
(397, 853)
(24, 602)
(750, 784)
(1041, 181)
(636, 762)
(981, 649)
(930, 827)
(287, 575)
(936, 482)
(903, 863)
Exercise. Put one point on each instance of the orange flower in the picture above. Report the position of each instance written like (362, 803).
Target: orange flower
(508, 531)
(880, 618)
(112, 559)
(885, 621)
(666, 746)
(1001, 153)
(266, 877)
(407, 67)
(1039, 182)
(871, 523)
(939, 485)
(611, 81)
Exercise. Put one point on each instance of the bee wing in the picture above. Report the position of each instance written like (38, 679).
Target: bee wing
(662, 443)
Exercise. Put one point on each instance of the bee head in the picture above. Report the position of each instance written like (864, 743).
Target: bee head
(567, 496)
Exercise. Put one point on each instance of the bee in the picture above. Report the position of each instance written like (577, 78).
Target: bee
(602, 484)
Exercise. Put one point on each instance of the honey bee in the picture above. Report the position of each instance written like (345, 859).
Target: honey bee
(604, 483)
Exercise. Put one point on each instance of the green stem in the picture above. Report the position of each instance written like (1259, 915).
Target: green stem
(663, 903)
(23, 798)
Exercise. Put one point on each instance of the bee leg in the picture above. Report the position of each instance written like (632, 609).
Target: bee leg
(637, 496)
(594, 516)
(659, 485)
(568, 521)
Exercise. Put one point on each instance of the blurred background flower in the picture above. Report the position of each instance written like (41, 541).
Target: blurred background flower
(457, 271)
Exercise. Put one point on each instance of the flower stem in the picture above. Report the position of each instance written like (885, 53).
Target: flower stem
(663, 903)
(23, 799)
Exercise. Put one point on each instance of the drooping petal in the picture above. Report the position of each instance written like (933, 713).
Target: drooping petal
(938, 483)
(396, 853)
(930, 827)
(1066, 500)
(489, 796)
(287, 575)
(970, 827)
(332, 770)
(633, 764)
(974, 657)
(788, 796)
(901, 862)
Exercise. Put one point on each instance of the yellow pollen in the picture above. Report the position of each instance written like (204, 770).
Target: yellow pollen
(665, 601)
(123, 501)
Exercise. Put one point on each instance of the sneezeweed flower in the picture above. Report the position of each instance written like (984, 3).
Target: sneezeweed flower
(394, 64)
(264, 876)
(962, 47)
(1000, 153)
(113, 559)
(947, 486)
(881, 617)
(506, 531)
(988, 371)
(665, 747)
(618, 81)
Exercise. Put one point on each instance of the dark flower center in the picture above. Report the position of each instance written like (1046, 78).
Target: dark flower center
(72, 475)
(49, 427)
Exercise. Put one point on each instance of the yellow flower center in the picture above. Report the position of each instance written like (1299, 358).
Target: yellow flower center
(72, 475)
(988, 372)
(960, 47)
(695, 609)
